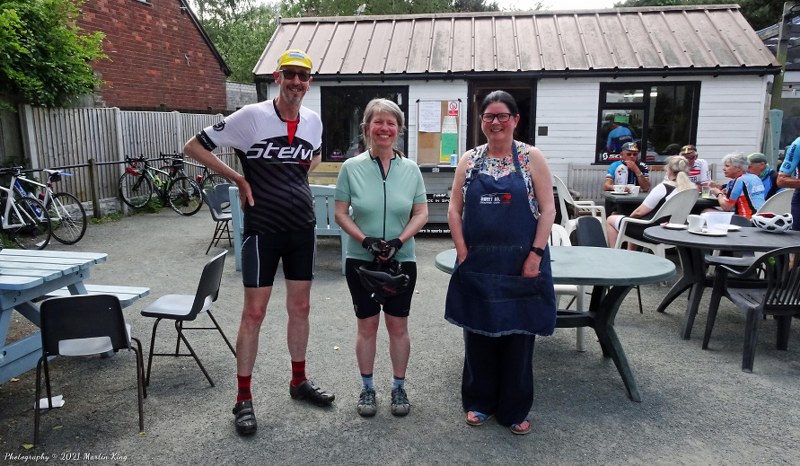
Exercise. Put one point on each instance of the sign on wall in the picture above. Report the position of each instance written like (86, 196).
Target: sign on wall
(438, 131)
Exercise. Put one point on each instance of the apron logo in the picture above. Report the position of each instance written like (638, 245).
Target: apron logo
(496, 199)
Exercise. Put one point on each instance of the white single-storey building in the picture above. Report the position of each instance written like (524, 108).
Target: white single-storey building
(678, 75)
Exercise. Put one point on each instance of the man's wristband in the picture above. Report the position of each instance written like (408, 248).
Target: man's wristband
(539, 251)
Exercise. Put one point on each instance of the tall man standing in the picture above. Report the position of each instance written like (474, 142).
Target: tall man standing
(278, 142)
(788, 178)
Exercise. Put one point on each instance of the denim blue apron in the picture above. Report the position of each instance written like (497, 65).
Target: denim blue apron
(487, 293)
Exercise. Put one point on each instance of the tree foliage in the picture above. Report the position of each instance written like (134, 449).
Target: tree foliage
(45, 59)
(296, 8)
(759, 13)
(240, 30)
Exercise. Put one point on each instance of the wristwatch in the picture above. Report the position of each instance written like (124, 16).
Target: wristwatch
(538, 251)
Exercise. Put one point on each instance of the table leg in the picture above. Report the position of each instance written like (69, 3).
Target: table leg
(605, 313)
(698, 274)
(689, 277)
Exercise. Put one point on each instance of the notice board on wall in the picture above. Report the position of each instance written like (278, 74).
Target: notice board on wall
(438, 126)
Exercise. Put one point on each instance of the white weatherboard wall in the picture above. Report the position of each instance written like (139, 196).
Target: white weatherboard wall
(732, 114)
(730, 117)
(417, 90)
(568, 108)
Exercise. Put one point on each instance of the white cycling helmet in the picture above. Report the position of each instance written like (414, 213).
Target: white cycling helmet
(773, 223)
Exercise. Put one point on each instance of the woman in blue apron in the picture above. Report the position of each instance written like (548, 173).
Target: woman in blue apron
(501, 291)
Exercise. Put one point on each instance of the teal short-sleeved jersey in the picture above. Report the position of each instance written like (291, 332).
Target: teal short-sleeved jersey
(380, 209)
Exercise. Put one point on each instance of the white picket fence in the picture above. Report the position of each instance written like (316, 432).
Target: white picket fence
(70, 137)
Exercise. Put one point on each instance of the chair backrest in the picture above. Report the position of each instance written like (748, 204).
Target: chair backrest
(678, 207)
(559, 236)
(223, 194)
(82, 325)
(589, 232)
(208, 288)
(782, 277)
(324, 210)
(779, 203)
(564, 198)
(217, 199)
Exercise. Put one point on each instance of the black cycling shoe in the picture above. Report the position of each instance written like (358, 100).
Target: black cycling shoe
(311, 393)
(245, 418)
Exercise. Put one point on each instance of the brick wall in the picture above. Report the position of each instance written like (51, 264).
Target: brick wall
(158, 59)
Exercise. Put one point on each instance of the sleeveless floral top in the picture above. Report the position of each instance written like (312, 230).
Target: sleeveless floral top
(500, 167)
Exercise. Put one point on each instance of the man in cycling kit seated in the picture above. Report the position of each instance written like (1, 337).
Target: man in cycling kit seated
(788, 177)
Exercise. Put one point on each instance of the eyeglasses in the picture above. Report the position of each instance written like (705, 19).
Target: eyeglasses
(289, 74)
(501, 117)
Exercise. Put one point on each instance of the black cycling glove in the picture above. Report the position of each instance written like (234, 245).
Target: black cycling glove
(374, 245)
(392, 246)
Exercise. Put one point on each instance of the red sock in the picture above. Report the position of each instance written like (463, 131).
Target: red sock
(244, 388)
(298, 372)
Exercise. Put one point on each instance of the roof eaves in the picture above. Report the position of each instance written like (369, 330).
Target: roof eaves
(565, 74)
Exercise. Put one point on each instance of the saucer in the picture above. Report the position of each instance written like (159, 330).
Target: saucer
(674, 226)
(707, 232)
(618, 194)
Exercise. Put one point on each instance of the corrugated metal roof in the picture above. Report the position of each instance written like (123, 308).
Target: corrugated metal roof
(650, 40)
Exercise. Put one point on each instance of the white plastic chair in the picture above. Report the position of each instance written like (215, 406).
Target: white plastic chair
(580, 207)
(674, 210)
(559, 237)
(779, 203)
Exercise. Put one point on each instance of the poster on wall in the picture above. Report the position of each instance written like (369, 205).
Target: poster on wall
(438, 129)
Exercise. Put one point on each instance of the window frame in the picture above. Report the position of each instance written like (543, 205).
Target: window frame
(333, 112)
(645, 107)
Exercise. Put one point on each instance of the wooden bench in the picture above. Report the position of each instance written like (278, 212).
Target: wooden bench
(127, 294)
(237, 226)
(587, 180)
(323, 211)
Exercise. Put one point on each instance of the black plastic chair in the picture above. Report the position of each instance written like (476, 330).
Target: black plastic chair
(184, 308)
(770, 286)
(83, 325)
(218, 200)
(589, 232)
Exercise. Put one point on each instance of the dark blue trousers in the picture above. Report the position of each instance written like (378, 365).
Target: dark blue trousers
(498, 376)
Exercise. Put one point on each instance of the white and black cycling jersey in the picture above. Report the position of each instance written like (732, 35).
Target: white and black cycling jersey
(274, 161)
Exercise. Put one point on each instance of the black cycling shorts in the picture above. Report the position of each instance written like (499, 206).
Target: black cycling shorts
(365, 306)
(262, 251)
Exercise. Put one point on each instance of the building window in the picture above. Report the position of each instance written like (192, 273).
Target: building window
(659, 117)
(342, 111)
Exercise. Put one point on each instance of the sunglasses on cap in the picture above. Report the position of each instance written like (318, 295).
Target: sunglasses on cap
(304, 76)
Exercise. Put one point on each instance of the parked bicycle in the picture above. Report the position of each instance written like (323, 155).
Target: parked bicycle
(141, 181)
(25, 220)
(67, 214)
(206, 178)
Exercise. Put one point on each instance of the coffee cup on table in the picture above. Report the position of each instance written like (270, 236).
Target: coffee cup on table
(717, 222)
(696, 222)
(619, 188)
(633, 189)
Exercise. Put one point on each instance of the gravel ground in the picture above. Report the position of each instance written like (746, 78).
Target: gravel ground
(697, 406)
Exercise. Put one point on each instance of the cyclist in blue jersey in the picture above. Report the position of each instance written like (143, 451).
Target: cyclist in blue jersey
(278, 142)
(760, 168)
(619, 135)
(744, 194)
(788, 177)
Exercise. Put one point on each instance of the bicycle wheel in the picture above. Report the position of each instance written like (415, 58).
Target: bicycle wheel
(184, 196)
(214, 179)
(68, 218)
(31, 222)
(135, 189)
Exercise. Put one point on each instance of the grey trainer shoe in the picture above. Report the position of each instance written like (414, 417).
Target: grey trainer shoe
(367, 404)
(400, 403)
